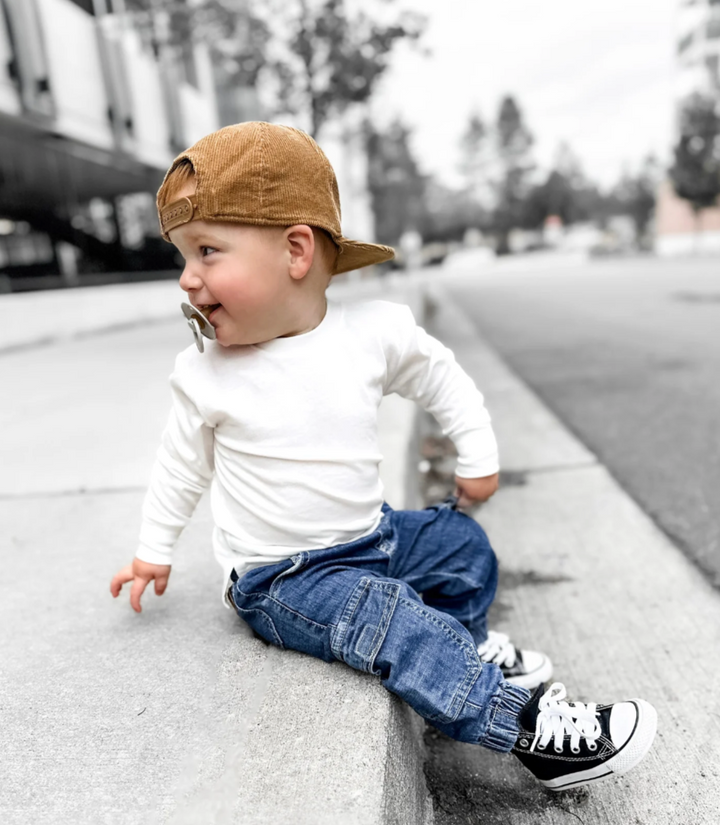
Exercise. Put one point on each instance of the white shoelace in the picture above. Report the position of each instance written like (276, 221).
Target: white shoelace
(498, 649)
(557, 718)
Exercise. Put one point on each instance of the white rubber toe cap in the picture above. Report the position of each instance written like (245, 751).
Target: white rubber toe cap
(538, 669)
(623, 719)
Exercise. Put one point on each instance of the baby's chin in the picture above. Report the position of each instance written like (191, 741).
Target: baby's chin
(230, 333)
(235, 339)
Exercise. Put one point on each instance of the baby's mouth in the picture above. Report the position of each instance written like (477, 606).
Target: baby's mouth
(207, 309)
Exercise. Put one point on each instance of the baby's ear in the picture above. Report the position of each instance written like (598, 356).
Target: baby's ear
(301, 242)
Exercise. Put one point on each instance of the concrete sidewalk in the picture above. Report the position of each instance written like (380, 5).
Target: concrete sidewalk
(58, 315)
(186, 718)
(587, 577)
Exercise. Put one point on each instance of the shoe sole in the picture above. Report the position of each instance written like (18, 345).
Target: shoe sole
(537, 677)
(631, 753)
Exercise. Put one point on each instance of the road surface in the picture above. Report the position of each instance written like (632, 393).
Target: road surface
(627, 354)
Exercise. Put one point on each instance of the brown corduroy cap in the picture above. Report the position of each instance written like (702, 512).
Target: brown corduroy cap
(268, 175)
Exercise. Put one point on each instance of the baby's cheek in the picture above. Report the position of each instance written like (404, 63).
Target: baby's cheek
(250, 293)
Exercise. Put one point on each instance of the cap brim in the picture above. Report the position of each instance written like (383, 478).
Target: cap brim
(356, 255)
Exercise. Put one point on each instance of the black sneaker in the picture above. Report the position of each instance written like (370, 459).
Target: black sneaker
(566, 745)
(524, 668)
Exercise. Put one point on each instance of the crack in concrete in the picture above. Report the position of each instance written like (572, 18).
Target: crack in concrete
(79, 335)
(79, 491)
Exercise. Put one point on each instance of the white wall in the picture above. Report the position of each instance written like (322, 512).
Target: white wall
(75, 70)
(151, 127)
(9, 99)
(198, 107)
(703, 243)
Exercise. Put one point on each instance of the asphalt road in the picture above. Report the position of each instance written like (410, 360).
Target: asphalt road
(627, 354)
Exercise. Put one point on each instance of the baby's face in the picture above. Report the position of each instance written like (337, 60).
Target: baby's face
(238, 275)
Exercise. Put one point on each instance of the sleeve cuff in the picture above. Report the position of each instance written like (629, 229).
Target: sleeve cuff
(477, 453)
(477, 470)
(153, 556)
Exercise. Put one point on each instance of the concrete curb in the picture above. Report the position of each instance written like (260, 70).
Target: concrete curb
(326, 744)
(42, 318)
(234, 731)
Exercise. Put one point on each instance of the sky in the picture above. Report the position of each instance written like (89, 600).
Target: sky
(598, 75)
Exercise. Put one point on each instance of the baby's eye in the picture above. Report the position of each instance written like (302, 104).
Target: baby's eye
(207, 250)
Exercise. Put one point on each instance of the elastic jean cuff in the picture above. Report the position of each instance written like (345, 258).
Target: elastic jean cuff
(504, 728)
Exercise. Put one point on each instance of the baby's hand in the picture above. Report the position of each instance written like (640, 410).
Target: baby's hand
(473, 490)
(140, 573)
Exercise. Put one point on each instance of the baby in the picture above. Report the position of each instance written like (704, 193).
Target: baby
(279, 418)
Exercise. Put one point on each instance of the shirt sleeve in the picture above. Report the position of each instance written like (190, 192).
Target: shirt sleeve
(422, 369)
(183, 469)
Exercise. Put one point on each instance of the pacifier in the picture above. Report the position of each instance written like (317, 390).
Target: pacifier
(199, 325)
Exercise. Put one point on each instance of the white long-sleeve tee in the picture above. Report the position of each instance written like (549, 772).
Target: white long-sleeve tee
(285, 434)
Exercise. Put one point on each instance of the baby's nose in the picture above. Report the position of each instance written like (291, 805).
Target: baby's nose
(189, 281)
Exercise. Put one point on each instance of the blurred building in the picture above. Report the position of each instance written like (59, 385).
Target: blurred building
(678, 230)
(92, 108)
(698, 47)
(96, 99)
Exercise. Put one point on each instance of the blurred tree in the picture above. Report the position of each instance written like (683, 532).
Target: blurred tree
(555, 196)
(476, 161)
(695, 173)
(449, 213)
(566, 192)
(321, 57)
(397, 187)
(234, 30)
(331, 58)
(513, 142)
(635, 195)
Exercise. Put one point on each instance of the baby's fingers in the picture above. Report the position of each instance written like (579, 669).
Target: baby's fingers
(136, 591)
(120, 578)
(161, 583)
(463, 500)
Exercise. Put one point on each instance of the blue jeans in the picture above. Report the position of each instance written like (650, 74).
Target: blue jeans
(360, 603)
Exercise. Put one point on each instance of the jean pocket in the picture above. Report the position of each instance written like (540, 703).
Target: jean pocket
(299, 560)
(364, 623)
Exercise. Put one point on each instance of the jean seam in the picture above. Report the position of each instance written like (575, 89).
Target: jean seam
(241, 610)
(455, 636)
(463, 691)
(284, 607)
(446, 576)
(338, 638)
(500, 735)
(471, 674)
(491, 724)
(297, 613)
(298, 563)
